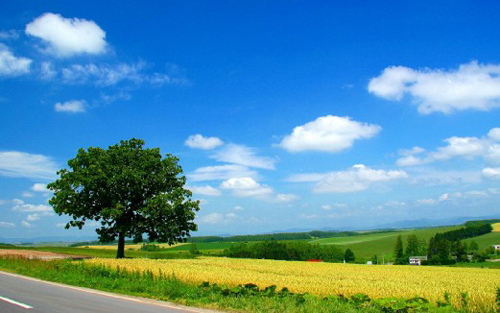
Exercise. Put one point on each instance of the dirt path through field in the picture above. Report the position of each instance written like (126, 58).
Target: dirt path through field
(33, 254)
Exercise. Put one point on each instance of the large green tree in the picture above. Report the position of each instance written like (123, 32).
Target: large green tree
(130, 190)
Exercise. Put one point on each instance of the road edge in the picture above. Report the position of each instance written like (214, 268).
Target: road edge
(115, 295)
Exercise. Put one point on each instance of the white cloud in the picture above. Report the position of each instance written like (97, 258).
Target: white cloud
(491, 172)
(357, 178)
(33, 217)
(205, 143)
(9, 34)
(472, 86)
(21, 206)
(27, 194)
(427, 201)
(68, 36)
(40, 187)
(120, 96)
(242, 155)
(61, 225)
(47, 71)
(7, 225)
(306, 177)
(111, 74)
(432, 177)
(217, 218)
(26, 224)
(447, 197)
(328, 134)
(73, 106)
(494, 191)
(205, 190)
(395, 203)
(246, 187)
(285, 198)
(238, 208)
(221, 172)
(328, 207)
(477, 193)
(11, 65)
(22, 164)
(308, 217)
(487, 147)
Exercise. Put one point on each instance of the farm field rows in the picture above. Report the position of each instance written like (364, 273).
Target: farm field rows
(329, 278)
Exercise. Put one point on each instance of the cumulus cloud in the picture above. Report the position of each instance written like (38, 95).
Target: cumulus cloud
(205, 143)
(21, 206)
(22, 164)
(68, 36)
(450, 196)
(246, 187)
(33, 217)
(328, 134)
(472, 86)
(218, 218)
(357, 178)
(40, 187)
(205, 190)
(487, 147)
(10, 65)
(7, 225)
(491, 172)
(73, 106)
(242, 155)
(221, 172)
(285, 198)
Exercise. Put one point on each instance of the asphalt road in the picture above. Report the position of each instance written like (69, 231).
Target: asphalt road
(24, 294)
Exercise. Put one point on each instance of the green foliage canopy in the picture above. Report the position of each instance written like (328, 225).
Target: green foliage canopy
(130, 190)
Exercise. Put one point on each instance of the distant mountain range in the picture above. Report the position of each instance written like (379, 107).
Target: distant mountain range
(420, 223)
(48, 239)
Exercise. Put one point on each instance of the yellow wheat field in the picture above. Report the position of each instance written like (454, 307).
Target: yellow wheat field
(330, 278)
(496, 227)
(131, 247)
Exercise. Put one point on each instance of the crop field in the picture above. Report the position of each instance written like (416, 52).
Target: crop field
(329, 278)
(496, 227)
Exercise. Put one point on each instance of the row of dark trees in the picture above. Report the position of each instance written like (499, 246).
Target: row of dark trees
(443, 248)
(293, 251)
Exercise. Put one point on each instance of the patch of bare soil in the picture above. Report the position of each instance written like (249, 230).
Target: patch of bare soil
(32, 254)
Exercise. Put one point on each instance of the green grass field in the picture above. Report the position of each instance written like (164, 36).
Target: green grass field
(381, 244)
(484, 241)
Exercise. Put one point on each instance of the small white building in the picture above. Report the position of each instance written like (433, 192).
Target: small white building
(497, 247)
(417, 260)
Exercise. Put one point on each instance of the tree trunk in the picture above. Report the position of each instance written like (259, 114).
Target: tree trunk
(120, 253)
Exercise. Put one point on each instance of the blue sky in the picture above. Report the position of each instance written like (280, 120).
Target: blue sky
(285, 114)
